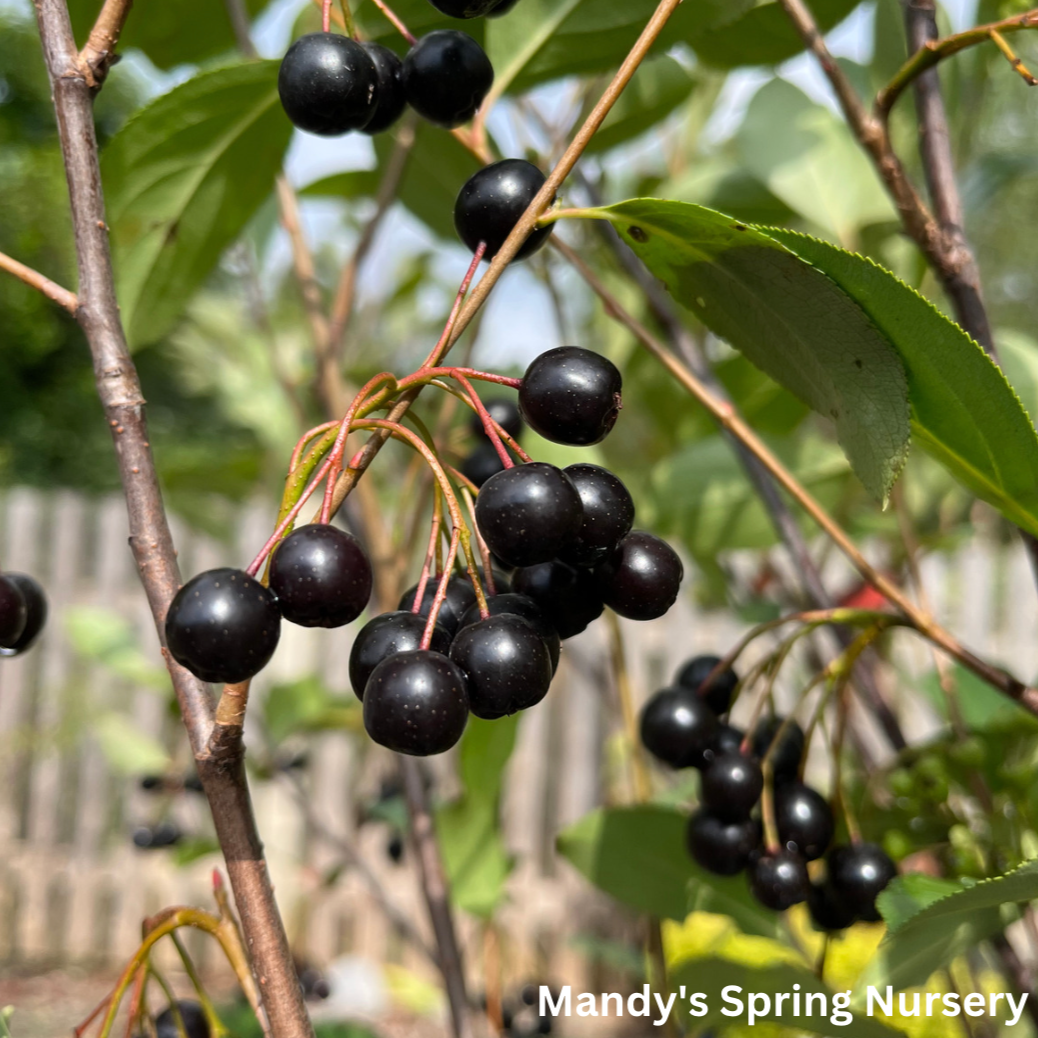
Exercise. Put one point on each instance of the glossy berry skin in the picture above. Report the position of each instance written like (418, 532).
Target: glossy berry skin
(641, 579)
(608, 514)
(719, 695)
(858, 874)
(732, 785)
(459, 597)
(482, 463)
(510, 603)
(321, 576)
(328, 84)
(191, 1013)
(571, 395)
(779, 881)
(727, 740)
(390, 96)
(502, 7)
(720, 847)
(506, 663)
(678, 728)
(828, 912)
(492, 200)
(446, 76)
(35, 613)
(505, 413)
(569, 597)
(785, 761)
(464, 8)
(416, 703)
(529, 513)
(804, 819)
(14, 612)
(223, 626)
(386, 635)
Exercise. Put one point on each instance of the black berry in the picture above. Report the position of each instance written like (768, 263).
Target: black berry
(446, 76)
(569, 597)
(464, 8)
(722, 848)
(779, 880)
(460, 596)
(858, 874)
(640, 580)
(386, 635)
(491, 202)
(14, 612)
(395, 848)
(321, 576)
(732, 785)
(506, 663)
(503, 7)
(608, 514)
(390, 96)
(328, 84)
(529, 513)
(785, 759)
(828, 912)
(35, 615)
(195, 1023)
(571, 395)
(482, 463)
(223, 626)
(416, 703)
(678, 728)
(505, 413)
(510, 603)
(727, 740)
(719, 694)
(804, 819)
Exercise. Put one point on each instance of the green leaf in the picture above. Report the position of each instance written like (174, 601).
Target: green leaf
(98, 634)
(906, 896)
(789, 319)
(638, 855)
(964, 412)
(981, 707)
(183, 178)
(355, 183)
(128, 750)
(943, 929)
(763, 35)
(307, 705)
(187, 852)
(474, 854)
(185, 32)
(1018, 355)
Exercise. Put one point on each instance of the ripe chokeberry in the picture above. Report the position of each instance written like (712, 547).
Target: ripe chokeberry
(678, 728)
(732, 785)
(723, 848)
(804, 820)
(641, 578)
(779, 880)
(608, 514)
(460, 596)
(464, 8)
(505, 413)
(321, 576)
(727, 740)
(14, 612)
(328, 84)
(786, 756)
(416, 703)
(828, 912)
(390, 95)
(491, 202)
(511, 603)
(482, 463)
(446, 76)
(858, 874)
(529, 513)
(194, 1019)
(223, 626)
(385, 636)
(35, 614)
(568, 597)
(571, 395)
(719, 694)
(506, 663)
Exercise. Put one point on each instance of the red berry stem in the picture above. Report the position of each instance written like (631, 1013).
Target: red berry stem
(309, 435)
(441, 589)
(395, 20)
(503, 433)
(484, 550)
(326, 16)
(430, 554)
(489, 425)
(440, 348)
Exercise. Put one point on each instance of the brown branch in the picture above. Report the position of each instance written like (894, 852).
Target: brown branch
(150, 540)
(53, 291)
(98, 54)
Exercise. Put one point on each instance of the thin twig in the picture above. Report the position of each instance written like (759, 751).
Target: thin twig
(53, 291)
(98, 54)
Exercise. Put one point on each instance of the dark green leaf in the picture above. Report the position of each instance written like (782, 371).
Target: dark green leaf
(980, 706)
(356, 183)
(183, 178)
(907, 896)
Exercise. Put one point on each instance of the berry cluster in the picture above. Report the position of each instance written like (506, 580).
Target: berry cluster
(23, 612)
(683, 727)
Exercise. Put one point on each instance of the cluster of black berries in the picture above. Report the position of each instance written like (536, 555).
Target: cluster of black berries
(23, 612)
(566, 537)
(224, 625)
(484, 461)
(683, 727)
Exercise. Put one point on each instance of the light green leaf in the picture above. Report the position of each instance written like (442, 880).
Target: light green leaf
(1018, 355)
(128, 750)
(789, 319)
(638, 855)
(355, 183)
(906, 896)
(183, 178)
(945, 928)
(5, 1018)
(980, 706)
(99, 634)
(964, 412)
(307, 705)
